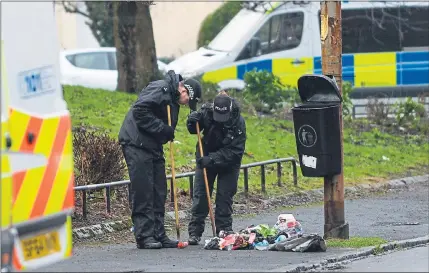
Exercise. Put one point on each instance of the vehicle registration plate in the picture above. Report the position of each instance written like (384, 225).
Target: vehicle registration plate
(41, 245)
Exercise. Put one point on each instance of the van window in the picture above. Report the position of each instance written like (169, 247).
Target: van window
(280, 32)
(414, 27)
(235, 31)
(369, 30)
(94, 60)
(384, 29)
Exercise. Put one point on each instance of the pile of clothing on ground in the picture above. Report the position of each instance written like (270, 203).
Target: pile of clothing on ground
(285, 235)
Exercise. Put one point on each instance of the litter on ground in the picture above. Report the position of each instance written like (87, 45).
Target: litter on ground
(286, 235)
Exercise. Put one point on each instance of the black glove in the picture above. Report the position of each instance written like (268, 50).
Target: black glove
(168, 133)
(195, 116)
(205, 162)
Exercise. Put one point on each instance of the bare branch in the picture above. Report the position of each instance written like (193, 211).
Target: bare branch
(380, 19)
(72, 8)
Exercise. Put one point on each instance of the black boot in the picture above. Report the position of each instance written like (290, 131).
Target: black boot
(160, 234)
(194, 240)
(167, 242)
(149, 243)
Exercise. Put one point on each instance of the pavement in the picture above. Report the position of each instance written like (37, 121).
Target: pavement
(395, 216)
(409, 260)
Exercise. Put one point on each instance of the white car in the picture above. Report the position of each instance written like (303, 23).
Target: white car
(92, 67)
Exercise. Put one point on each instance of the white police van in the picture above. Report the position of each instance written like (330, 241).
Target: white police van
(385, 47)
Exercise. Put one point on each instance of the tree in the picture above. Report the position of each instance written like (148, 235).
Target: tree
(135, 45)
(100, 15)
(216, 21)
(132, 35)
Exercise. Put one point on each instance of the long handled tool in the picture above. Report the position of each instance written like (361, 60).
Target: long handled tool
(173, 177)
(206, 182)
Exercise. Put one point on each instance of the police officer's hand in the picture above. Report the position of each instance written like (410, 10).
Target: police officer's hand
(168, 132)
(205, 162)
(195, 116)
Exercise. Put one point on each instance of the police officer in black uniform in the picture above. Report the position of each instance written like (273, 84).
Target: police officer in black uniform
(224, 139)
(144, 131)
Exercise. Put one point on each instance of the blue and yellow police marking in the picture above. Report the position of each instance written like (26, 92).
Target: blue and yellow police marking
(382, 69)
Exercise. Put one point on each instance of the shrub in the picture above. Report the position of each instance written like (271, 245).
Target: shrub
(216, 21)
(377, 111)
(97, 157)
(409, 111)
(347, 102)
(210, 90)
(267, 94)
(265, 91)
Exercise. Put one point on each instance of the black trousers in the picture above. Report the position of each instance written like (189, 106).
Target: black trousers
(227, 181)
(148, 192)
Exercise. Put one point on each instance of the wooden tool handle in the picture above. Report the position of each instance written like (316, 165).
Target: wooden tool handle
(206, 182)
(173, 177)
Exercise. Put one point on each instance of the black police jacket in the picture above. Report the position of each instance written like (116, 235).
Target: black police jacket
(143, 125)
(226, 143)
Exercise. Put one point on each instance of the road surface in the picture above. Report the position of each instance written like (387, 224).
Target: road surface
(384, 216)
(410, 260)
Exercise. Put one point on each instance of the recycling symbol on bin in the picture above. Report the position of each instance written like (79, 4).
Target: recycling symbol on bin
(307, 136)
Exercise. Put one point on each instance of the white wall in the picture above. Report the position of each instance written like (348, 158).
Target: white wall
(175, 26)
(72, 30)
(66, 26)
(84, 36)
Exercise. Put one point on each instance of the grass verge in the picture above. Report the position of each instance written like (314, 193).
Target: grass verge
(356, 242)
(370, 154)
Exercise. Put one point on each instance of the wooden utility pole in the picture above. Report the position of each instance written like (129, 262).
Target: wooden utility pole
(331, 38)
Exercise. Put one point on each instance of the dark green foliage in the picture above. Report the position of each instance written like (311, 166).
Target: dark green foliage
(216, 21)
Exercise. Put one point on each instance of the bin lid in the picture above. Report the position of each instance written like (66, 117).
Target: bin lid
(318, 88)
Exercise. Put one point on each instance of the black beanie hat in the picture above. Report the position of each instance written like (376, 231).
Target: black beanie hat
(194, 89)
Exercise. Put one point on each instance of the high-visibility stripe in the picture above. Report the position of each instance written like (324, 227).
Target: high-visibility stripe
(5, 166)
(289, 73)
(33, 127)
(69, 200)
(52, 168)
(18, 126)
(6, 174)
(375, 69)
(26, 197)
(262, 65)
(64, 173)
(6, 184)
(28, 188)
(18, 179)
(226, 73)
(47, 136)
(44, 190)
(5, 198)
(412, 68)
